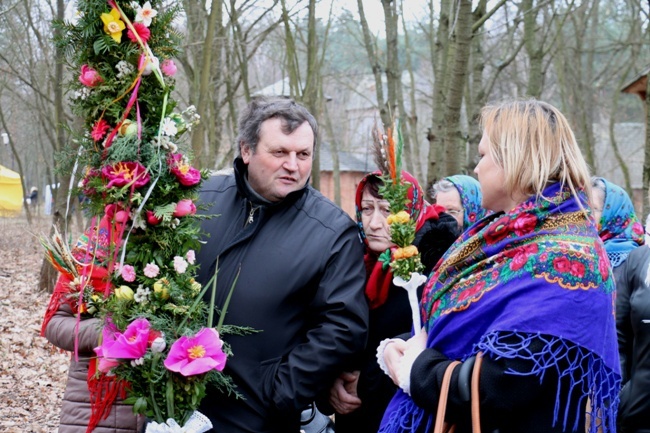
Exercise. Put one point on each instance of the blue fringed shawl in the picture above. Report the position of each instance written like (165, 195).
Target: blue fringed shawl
(539, 271)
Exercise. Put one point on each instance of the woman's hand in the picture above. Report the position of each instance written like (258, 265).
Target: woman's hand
(393, 354)
(343, 393)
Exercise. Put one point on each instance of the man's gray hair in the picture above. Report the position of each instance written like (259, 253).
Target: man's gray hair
(262, 108)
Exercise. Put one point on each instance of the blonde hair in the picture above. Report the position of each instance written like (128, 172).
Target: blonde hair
(534, 145)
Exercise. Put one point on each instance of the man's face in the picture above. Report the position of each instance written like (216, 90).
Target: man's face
(281, 163)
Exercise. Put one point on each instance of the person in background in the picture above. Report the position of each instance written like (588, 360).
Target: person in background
(295, 263)
(461, 196)
(527, 290)
(618, 226)
(361, 396)
(70, 326)
(633, 328)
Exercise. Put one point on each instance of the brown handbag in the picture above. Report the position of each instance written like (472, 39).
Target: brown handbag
(441, 426)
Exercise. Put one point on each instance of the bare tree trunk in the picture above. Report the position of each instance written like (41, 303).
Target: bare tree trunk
(198, 136)
(439, 48)
(646, 153)
(533, 48)
(462, 36)
(414, 158)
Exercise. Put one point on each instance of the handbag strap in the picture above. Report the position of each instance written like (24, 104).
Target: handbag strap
(444, 394)
(475, 400)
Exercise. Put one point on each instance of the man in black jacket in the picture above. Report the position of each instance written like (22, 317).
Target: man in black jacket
(301, 273)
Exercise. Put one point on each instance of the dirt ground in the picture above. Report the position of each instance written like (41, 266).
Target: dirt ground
(32, 371)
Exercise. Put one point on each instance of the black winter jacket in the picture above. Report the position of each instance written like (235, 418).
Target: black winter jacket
(633, 327)
(301, 284)
(392, 319)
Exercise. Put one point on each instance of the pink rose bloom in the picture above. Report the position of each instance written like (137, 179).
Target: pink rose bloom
(184, 207)
(186, 174)
(126, 173)
(99, 130)
(128, 273)
(115, 212)
(152, 219)
(142, 31)
(191, 257)
(89, 77)
(168, 67)
(151, 270)
(132, 344)
(196, 355)
(180, 265)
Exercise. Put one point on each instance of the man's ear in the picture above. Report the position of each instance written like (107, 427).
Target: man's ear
(245, 151)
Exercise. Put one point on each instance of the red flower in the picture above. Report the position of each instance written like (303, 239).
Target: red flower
(141, 30)
(498, 231)
(126, 173)
(577, 269)
(152, 220)
(603, 261)
(470, 292)
(561, 264)
(524, 224)
(99, 129)
(186, 174)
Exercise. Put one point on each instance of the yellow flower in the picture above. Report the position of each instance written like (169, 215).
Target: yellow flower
(124, 292)
(401, 217)
(113, 25)
(160, 287)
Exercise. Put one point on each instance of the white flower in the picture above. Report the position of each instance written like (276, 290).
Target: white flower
(152, 64)
(124, 69)
(145, 13)
(158, 345)
(141, 294)
(174, 223)
(180, 265)
(82, 94)
(136, 362)
(169, 127)
(191, 257)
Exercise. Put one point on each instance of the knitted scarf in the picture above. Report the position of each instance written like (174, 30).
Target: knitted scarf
(539, 270)
(379, 274)
(619, 227)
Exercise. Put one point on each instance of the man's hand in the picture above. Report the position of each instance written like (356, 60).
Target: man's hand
(343, 393)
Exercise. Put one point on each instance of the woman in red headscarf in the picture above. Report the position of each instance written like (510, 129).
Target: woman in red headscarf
(360, 396)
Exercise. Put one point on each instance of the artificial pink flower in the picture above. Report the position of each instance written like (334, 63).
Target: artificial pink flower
(152, 219)
(151, 270)
(168, 67)
(128, 273)
(132, 344)
(184, 207)
(116, 212)
(125, 173)
(89, 77)
(142, 31)
(196, 355)
(99, 129)
(180, 265)
(191, 257)
(186, 174)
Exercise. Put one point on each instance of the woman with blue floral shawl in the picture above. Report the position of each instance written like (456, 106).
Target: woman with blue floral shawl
(461, 196)
(528, 286)
(618, 225)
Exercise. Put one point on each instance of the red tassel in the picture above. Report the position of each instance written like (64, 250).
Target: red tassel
(104, 390)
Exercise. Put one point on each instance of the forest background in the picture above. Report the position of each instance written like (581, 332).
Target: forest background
(433, 63)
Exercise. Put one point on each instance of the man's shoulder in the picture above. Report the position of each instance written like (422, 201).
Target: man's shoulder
(319, 207)
(219, 181)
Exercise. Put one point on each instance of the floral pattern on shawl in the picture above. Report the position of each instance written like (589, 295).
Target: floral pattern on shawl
(470, 194)
(539, 270)
(619, 227)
